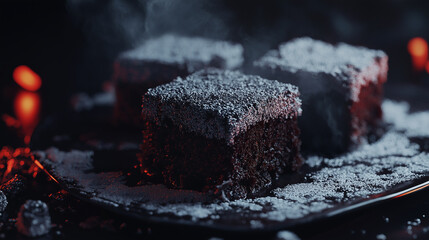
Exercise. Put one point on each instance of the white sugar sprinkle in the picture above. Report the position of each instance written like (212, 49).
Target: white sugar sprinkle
(353, 65)
(371, 169)
(317, 56)
(414, 124)
(189, 51)
(286, 235)
(381, 237)
(415, 222)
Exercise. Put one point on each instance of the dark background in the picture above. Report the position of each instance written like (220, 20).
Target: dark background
(72, 46)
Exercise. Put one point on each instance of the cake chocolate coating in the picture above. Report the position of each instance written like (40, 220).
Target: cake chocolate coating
(160, 60)
(341, 88)
(221, 131)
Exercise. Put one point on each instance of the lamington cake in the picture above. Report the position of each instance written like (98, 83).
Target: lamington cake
(221, 131)
(341, 89)
(160, 60)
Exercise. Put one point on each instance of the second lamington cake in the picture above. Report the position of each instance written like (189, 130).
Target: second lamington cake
(221, 131)
(160, 60)
(341, 89)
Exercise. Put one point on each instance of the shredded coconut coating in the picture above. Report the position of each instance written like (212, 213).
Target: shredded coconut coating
(221, 103)
(189, 52)
(351, 65)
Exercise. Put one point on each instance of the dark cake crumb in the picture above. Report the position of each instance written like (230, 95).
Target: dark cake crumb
(222, 131)
(341, 89)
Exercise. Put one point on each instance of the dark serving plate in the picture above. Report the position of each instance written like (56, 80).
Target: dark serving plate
(96, 161)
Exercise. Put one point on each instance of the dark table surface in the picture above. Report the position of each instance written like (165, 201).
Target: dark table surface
(403, 218)
(73, 47)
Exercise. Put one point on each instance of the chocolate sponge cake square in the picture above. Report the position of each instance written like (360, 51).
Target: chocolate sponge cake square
(341, 89)
(221, 131)
(160, 60)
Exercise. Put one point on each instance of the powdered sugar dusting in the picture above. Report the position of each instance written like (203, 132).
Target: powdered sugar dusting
(371, 169)
(357, 175)
(221, 103)
(191, 52)
(316, 56)
(75, 167)
(356, 66)
(413, 124)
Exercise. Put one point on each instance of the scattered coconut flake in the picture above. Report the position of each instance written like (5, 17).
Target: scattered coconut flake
(83, 102)
(109, 187)
(313, 161)
(415, 222)
(414, 124)
(381, 237)
(193, 52)
(371, 169)
(3, 202)
(353, 65)
(286, 235)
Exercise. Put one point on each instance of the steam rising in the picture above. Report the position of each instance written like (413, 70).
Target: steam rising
(110, 27)
(195, 17)
(113, 26)
(133, 21)
(110, 21)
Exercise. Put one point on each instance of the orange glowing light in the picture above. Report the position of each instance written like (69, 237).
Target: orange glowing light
(148, 173)
(418, 49)
(27, 78)
(27, 150)
(27, 109)
(38, 164)
(9, 168)
(10, 121)
(27, 138)
(411, 191)
(17, 152)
